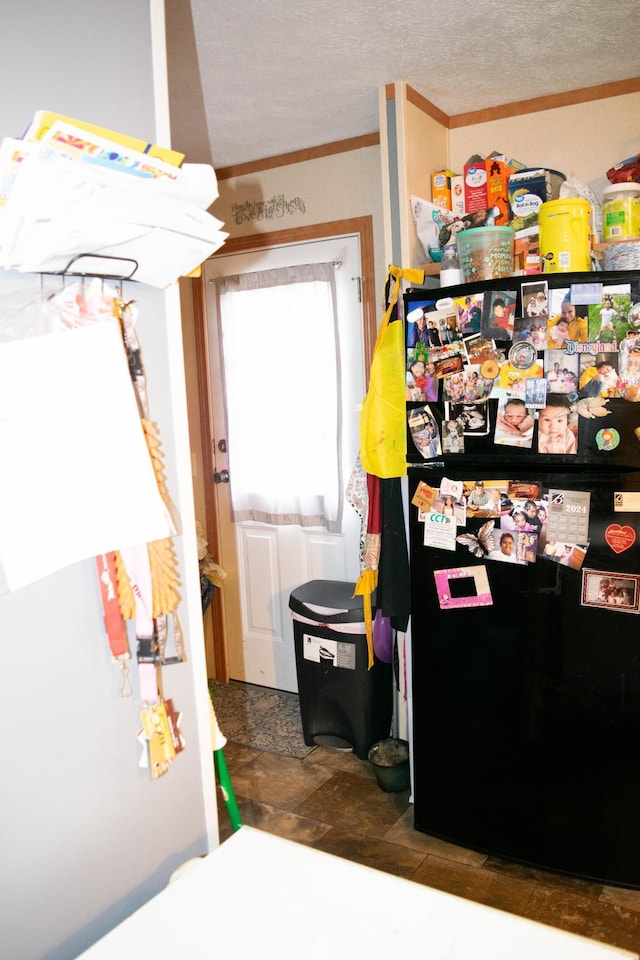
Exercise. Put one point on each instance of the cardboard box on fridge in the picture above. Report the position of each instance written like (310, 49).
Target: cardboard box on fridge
(526, 251)
(441, 188)
(528, 190)
(457, 195)
(485, 185)
(475, 186)
(498, 173)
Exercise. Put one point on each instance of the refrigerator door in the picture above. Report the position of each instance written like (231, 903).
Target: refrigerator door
(479, 447)
(527, 711)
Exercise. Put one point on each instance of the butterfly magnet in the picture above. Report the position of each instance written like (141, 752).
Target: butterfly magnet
(482, 543)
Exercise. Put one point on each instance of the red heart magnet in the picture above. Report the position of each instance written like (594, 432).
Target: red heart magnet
(619, 538)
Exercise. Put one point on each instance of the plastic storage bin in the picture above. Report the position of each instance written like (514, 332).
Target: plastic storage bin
(485, 253)
(342, 703)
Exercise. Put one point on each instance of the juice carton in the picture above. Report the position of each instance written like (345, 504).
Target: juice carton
(498, 173)
(441, 188)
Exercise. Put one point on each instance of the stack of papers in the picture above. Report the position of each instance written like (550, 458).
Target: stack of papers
(67, 190)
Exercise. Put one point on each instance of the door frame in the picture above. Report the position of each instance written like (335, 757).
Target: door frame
(363, 228)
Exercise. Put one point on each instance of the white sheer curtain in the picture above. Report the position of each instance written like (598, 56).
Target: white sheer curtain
(282, 382)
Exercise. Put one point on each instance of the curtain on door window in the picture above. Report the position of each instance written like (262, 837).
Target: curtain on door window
(282, 383)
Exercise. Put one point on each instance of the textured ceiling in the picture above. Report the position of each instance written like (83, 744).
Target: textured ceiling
(251, 79)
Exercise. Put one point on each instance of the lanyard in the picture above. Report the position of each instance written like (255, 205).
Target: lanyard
(153, 578)
(113, 619)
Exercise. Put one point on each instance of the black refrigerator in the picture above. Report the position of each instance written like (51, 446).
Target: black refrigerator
(526, 632)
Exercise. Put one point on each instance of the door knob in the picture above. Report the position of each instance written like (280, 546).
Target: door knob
(221, 476)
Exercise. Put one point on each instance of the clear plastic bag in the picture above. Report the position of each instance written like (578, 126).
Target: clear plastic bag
(572, 189)
(35, 311)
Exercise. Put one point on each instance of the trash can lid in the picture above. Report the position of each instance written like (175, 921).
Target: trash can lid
(330, 600)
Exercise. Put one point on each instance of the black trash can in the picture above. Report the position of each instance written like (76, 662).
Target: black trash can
(342, 702)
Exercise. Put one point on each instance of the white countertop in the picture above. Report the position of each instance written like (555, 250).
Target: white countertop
(258, 896)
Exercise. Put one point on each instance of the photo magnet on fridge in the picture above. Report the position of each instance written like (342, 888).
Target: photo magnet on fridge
(531, 330)
(598, 375)
(557, 426)
(608, 318)
(535, 299)
(567, 322)
(424, 432)
(611, 591)
(535, 392)
(526, 547)
(484, 498)
(462, 587)
(562, 371)
(512, 381)
(506, 549)
(467, 385)
(452, 437)
(480, 351)
(416, 319)
(567, 554)
(514, 423)
(629, 365)
(469, 310)
(424, 496)
(498, 314)
(421, 381)
(474, 417)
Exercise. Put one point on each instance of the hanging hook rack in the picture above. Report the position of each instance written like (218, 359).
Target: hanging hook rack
(72, 267)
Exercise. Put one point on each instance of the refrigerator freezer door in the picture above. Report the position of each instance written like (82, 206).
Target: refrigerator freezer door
(527, 711)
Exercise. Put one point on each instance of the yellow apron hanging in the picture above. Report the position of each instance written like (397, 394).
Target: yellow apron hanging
(383, 430)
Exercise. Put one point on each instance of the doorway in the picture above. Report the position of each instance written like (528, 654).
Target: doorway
(253, 638)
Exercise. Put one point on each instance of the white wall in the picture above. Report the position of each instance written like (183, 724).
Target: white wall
(85, 835)
(337, 187)
(585, 139)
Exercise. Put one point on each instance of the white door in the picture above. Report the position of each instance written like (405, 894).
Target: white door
(266, 562)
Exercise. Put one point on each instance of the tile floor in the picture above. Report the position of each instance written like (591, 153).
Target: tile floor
(331, 800)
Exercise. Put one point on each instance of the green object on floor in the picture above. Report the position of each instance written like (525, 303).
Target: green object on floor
(227, 790)
(218, 740)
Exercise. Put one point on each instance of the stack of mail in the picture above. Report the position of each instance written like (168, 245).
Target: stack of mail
(73, 192)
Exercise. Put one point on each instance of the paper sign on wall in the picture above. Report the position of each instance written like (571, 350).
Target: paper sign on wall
(81, 481)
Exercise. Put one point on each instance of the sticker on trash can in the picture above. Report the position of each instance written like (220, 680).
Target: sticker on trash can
(333, 653)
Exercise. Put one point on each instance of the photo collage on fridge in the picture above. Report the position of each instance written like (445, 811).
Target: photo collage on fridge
(525, 374)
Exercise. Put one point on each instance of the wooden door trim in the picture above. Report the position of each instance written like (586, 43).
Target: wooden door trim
(221, 658)
(363, 227)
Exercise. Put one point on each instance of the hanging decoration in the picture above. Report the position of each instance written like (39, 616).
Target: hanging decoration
(138, 583)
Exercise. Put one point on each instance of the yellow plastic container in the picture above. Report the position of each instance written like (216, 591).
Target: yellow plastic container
(565, 236)
(621, 211)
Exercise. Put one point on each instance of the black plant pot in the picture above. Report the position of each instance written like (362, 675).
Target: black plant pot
(390, 761)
